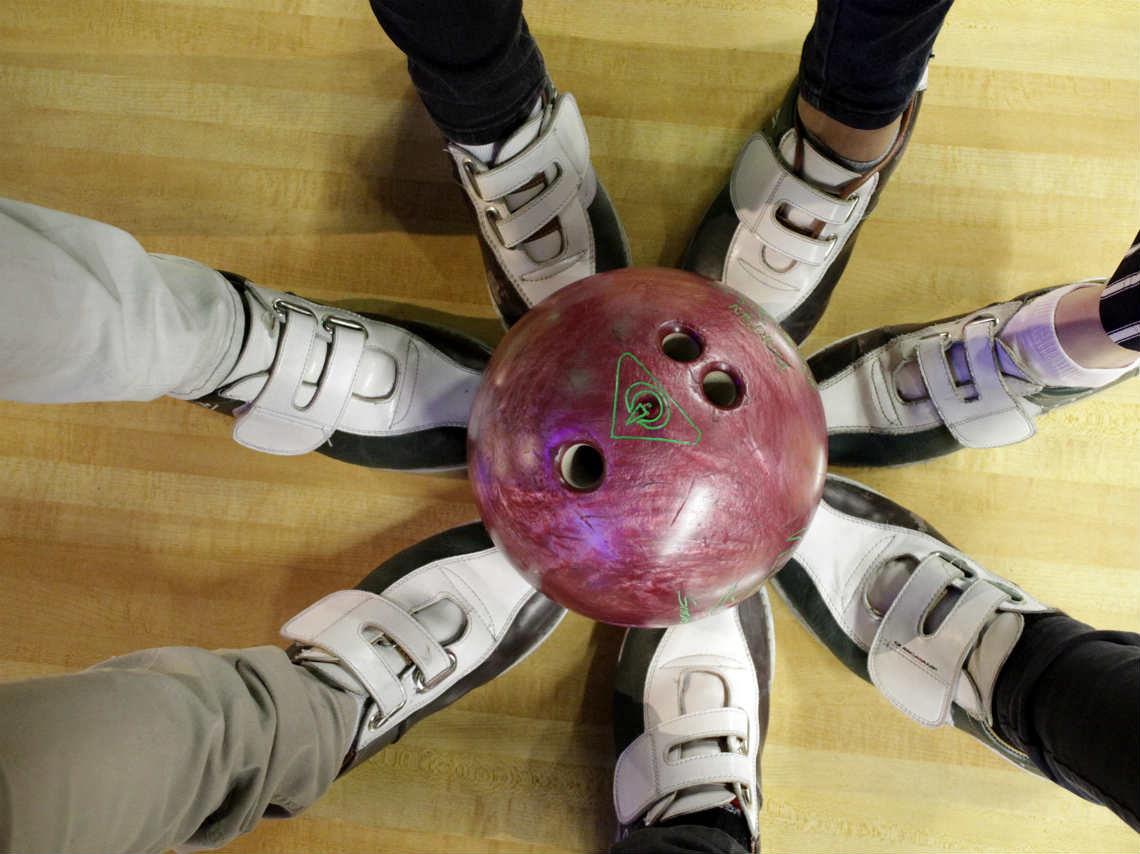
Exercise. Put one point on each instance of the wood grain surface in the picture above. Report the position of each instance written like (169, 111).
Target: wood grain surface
(282, 139)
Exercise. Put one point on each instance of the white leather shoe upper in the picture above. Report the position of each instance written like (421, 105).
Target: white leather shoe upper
(702, 736)
(920, 672)
(797, 210)
(403, 648)
(560, 158)
(307, 370)
(776, 265)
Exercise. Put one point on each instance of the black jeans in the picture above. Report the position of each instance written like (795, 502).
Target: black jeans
(1069, 697)
(479, 71)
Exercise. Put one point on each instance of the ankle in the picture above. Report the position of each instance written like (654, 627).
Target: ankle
(852, 144)
(1037, 335)
(1082, 335)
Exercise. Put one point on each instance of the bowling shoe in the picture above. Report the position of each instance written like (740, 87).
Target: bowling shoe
(544, 219)
(690, 717)
(782, 229)
(428, 625)
(905, 610)
(361, 388)
(965, 387)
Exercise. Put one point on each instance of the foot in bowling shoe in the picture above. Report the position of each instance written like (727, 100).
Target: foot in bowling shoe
(545, 220)
(690, 717)
(428, 625)
(781, 231)
(361, 388)
(902, 394)
(902, 608)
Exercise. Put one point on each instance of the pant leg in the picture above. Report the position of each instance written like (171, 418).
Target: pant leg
(685, 839)
(863, 59)
(1120, 301)
(1069, 697)
(87, 314)
(165, 747)
(475, 64)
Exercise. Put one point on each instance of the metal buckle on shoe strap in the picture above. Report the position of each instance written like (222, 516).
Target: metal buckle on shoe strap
(279, 303)
(469, 170)
(493, 217)
(378, 720)
(332, 320)
(1014, 593)
(424, 685)
(282, 307)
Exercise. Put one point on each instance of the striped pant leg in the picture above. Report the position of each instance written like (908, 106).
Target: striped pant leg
(1120, 301)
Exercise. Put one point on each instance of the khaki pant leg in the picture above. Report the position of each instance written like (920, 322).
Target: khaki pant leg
(165, 747)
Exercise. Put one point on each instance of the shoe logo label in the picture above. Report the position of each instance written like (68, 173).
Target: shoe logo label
(909, 653)
(757, 326)
(644, 410)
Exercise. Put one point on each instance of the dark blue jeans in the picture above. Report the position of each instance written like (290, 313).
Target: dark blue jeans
(479, 71)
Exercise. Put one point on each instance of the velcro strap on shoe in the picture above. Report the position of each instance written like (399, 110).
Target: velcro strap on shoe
(519, 226)
(331, 625)
(564, 142)
(761, 184)
(645, 773)
(995, 416)
(919, 672)
(272, 421)
(341, 623)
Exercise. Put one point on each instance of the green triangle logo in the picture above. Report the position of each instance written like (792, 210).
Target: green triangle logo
(644, 410)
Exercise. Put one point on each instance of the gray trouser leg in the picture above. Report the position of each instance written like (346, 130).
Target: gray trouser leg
(87, 314)
(165, 747)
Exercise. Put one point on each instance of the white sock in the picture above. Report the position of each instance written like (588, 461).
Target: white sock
(1032, 336)
(498, 151)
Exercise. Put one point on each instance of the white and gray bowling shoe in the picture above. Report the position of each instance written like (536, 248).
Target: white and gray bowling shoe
(545, 221)
(362, 388)
(867, 581)
(428, 625)
(974, 390)
(690, 717)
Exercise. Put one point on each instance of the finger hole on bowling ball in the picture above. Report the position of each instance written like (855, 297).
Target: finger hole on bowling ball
(581, 466)
(680, 343)
(722, 387)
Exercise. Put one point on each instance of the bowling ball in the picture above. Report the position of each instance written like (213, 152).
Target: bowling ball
(647, 447)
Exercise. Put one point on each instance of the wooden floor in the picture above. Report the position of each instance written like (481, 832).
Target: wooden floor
(282, 139)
